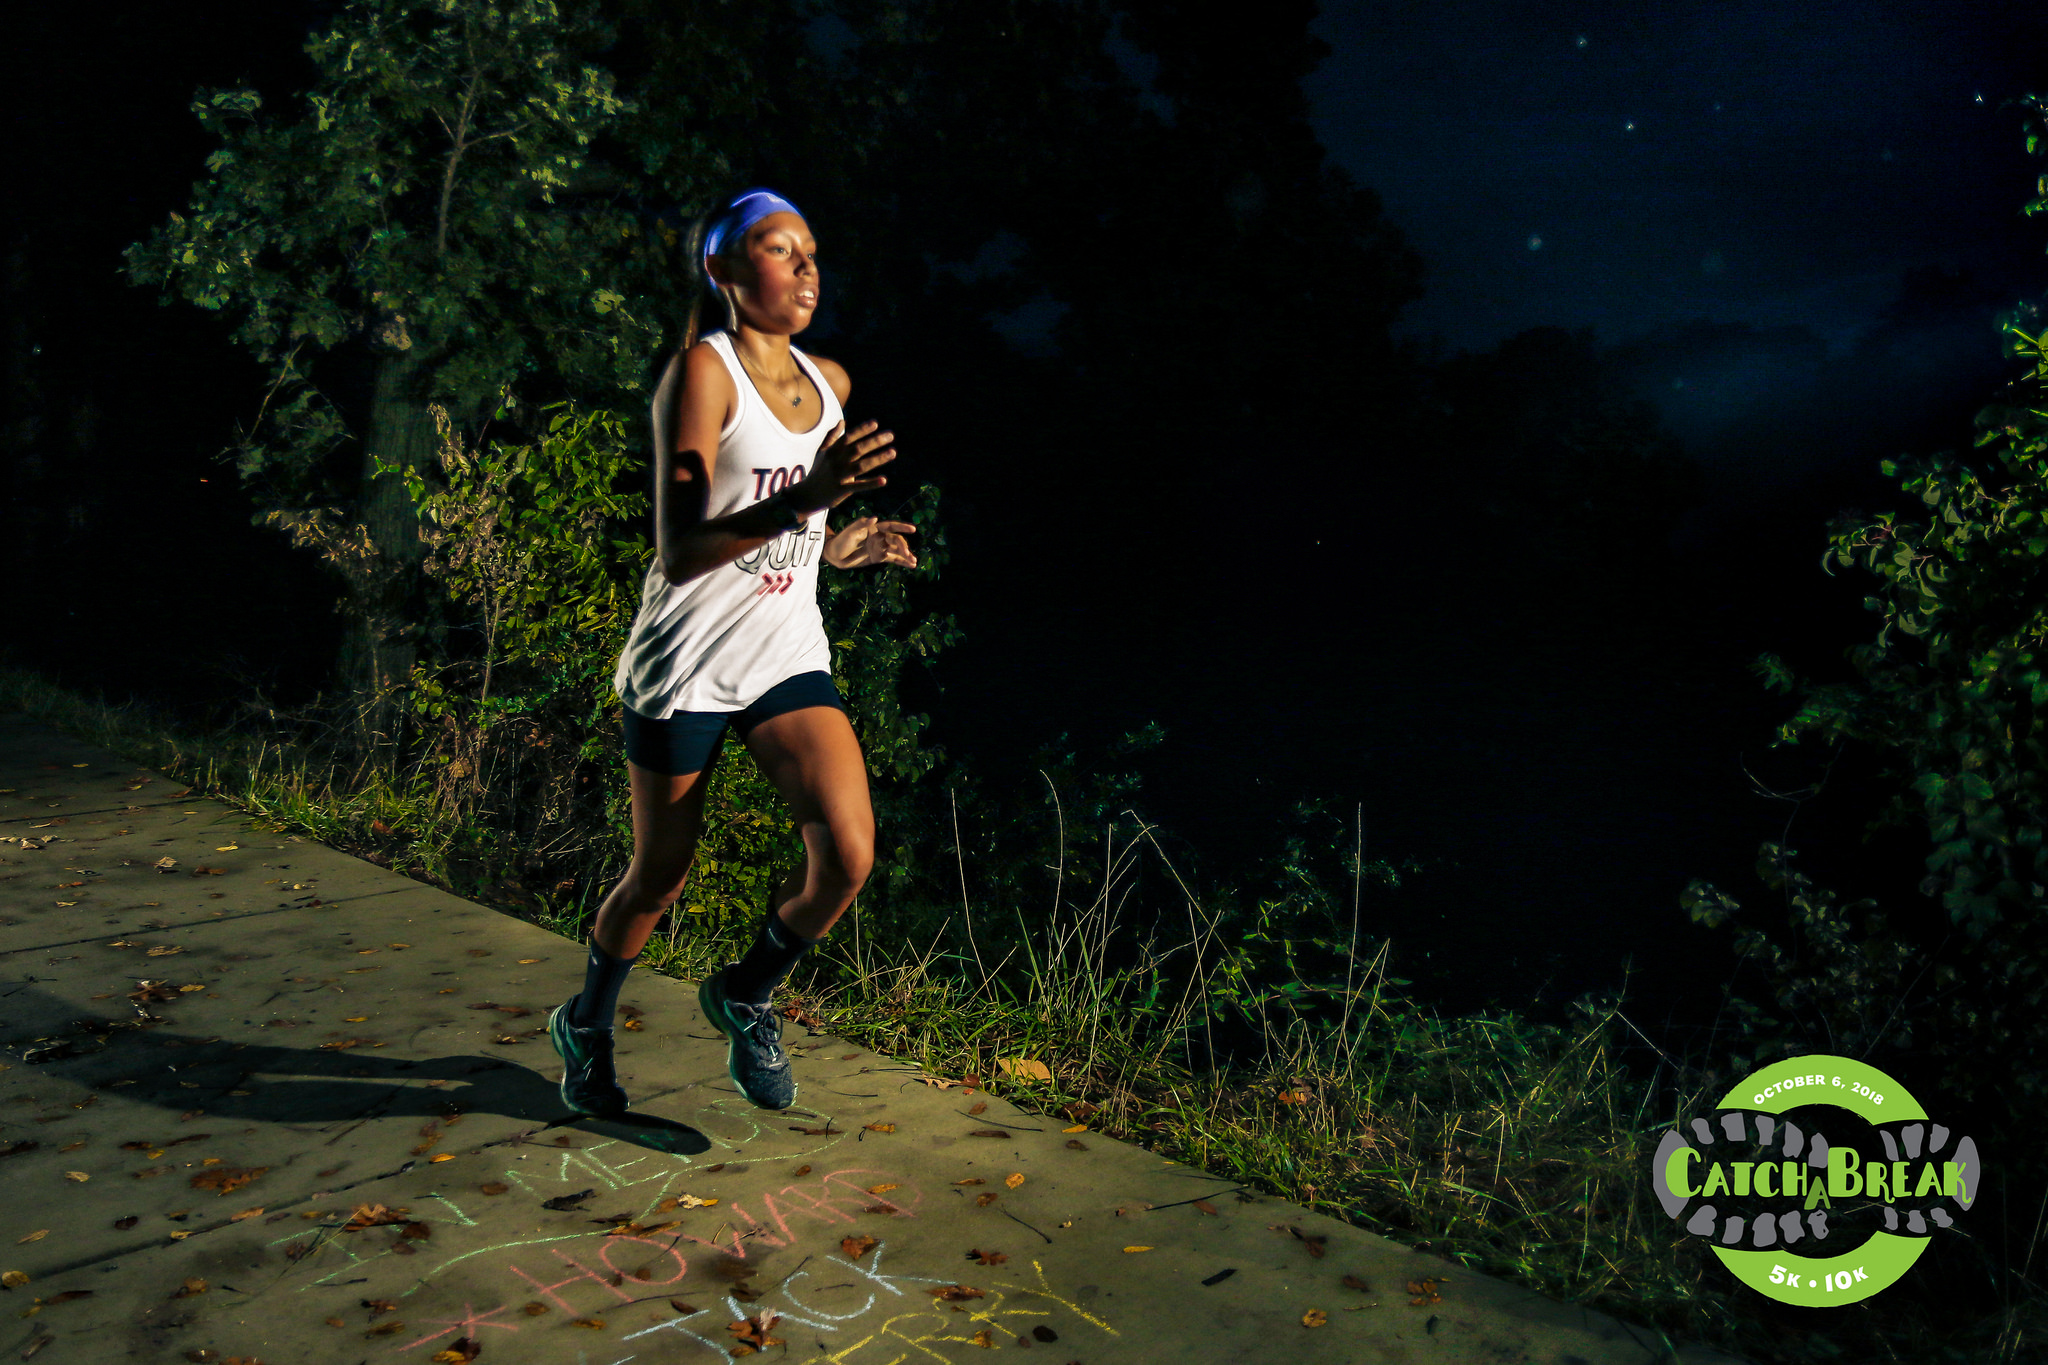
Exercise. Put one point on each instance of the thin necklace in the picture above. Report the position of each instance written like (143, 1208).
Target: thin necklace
(794, 402)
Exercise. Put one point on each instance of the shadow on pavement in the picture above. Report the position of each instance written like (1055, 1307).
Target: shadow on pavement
(328, 1089)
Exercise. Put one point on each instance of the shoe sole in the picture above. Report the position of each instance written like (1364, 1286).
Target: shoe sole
(708, 1001)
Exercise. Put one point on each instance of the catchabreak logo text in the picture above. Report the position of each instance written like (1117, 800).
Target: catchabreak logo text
(1763, 1189)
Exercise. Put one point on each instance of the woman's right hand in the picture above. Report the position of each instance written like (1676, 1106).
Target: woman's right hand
(841, 466)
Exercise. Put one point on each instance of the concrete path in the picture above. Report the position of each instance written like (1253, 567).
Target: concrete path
(263, 1101)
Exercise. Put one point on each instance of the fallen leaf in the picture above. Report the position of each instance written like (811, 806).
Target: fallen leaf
(15, 1279)
(356, 1019)
(385, 1329)
(971, 1180)
(855, 1247)
(1314, 1317)
(877, 1128)
(1077, 1128)
(1204, 1206)
(1128, 1250)
(123, 1224)
(165, 950)
(379, 1307)
(189, 1288)
(38, 1235)
(372, 1215)
(691, 1201)
(462, 1352)
(681, 1307)
(982, 1338)
(444, 1156)
(982, 1201)
(881, 1189)
(1354, 1282)
(987, 1257)
(226, 1178)
(634, 1025)
(534, 1310)
(528, 961)
(753, 1332)
(1077, 1145)
(245, 1213)
(37, 1343)
(1020, 1068)
(1014, 1179)
(978, 1107)
(78, 1177)
(801, 1170)
(988, 1132)
(957, 1293)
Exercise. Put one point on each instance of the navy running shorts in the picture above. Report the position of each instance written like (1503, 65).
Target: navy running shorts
(688, 741)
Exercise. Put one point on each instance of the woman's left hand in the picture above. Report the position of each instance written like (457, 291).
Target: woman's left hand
(869, 540)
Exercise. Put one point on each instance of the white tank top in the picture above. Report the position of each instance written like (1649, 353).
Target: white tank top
(719, 641)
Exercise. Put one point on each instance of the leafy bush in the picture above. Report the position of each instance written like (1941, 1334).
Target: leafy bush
(1951, 693)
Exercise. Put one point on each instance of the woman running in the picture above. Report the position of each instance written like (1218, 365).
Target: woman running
(751, 449)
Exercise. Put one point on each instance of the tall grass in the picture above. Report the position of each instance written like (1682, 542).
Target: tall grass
(1513, 1147)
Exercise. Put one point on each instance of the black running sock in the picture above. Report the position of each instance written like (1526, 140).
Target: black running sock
(594, 1006)
(776, 949)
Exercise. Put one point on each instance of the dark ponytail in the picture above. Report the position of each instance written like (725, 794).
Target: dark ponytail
(701, 282)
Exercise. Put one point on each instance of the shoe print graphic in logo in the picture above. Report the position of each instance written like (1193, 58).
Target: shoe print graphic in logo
(1925, 1142)
(1729, 1140)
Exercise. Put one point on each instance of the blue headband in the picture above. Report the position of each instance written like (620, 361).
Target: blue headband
(746, 209)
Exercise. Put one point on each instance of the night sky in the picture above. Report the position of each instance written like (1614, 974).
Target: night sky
(1793, 225)
(1629, 167)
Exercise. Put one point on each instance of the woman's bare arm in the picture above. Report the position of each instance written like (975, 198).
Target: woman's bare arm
(692, 404)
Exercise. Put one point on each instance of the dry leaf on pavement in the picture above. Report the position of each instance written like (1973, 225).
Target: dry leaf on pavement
(957, 1293)
(1314, 1317)
(879, 1127)
(225, 1178)
(987, 1257)
(1020, 1068)
(855, 1247)
(1014, 1179)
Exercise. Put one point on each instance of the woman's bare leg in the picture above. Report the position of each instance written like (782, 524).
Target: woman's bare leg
(668, 817)
(814, 761)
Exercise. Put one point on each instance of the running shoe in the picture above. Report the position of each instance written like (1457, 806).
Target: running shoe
(759, 1066)
(589, 1084)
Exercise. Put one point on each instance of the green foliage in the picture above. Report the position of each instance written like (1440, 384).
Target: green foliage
(1841, 983)
(436, 196)
(1951, 694)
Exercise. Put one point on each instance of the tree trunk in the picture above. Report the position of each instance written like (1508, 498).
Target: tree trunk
(379, 643)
